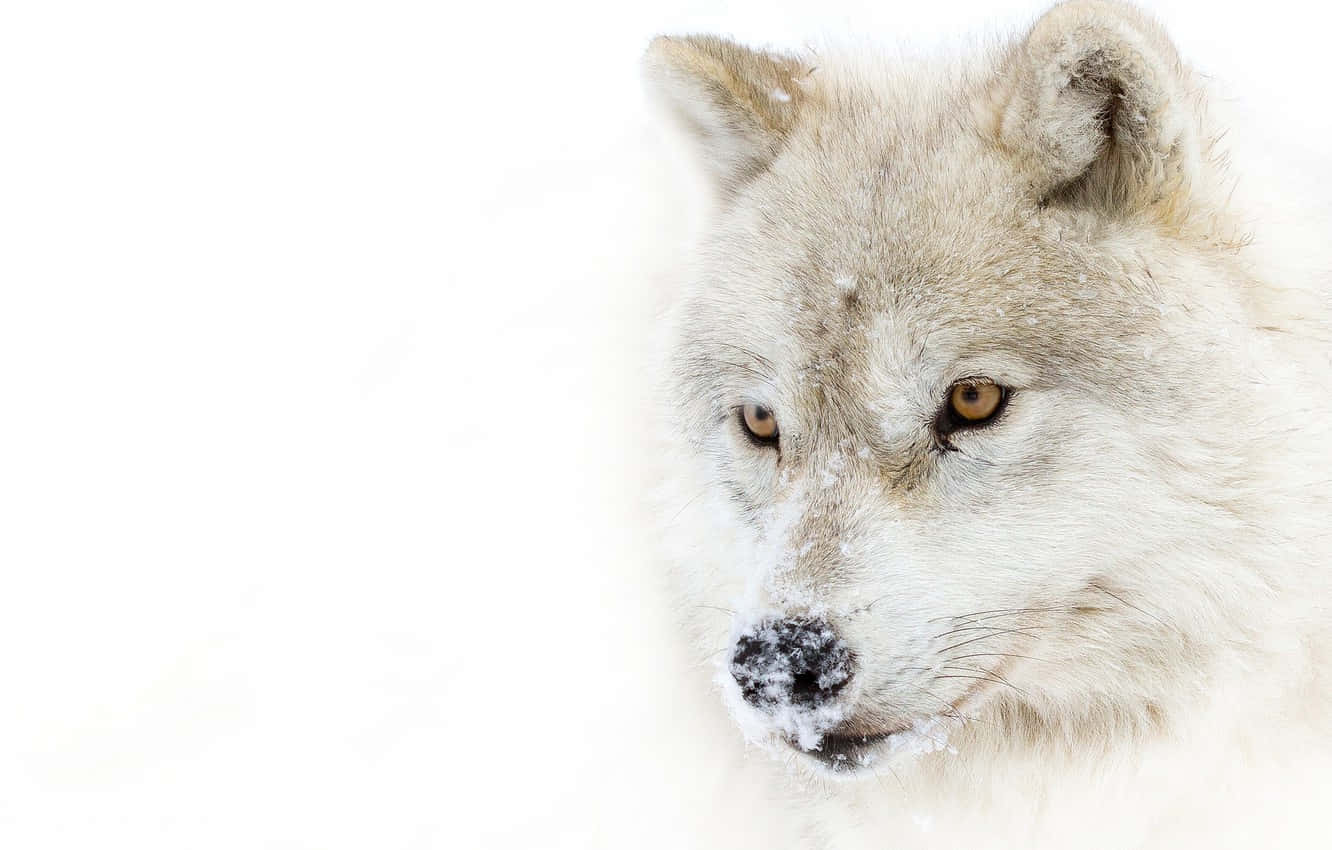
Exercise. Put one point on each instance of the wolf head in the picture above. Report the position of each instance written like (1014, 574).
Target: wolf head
(965, 386)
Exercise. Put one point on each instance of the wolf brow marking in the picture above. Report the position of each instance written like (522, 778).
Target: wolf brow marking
(742, 367)
(759, 358)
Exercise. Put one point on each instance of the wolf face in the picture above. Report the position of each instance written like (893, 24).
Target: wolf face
(964, 389)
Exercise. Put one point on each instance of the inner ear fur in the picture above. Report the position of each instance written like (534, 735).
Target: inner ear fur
(1093, 104)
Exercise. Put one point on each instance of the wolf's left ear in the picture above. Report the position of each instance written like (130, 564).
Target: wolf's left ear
(737, 105)
(1093, 104)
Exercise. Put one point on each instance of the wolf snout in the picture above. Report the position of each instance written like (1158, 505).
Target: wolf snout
(791, 662)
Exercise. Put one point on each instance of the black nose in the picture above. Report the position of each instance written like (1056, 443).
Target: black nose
(800, 662)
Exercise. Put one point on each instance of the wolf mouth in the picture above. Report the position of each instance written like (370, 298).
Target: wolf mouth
(845, 753)
(849, 754)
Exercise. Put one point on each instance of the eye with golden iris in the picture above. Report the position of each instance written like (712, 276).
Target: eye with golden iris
(759, 423)
(971, 403)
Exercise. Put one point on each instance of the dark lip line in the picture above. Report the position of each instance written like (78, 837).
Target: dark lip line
(839, 752)
(833, 746)
(839, 755)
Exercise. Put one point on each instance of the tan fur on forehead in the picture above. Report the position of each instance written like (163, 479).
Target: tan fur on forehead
(839, 234)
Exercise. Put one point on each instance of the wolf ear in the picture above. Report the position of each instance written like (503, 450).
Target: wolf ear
(737, 105)
(1093, 104)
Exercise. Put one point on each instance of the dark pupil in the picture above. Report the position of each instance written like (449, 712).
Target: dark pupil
(761, 413)
(971, 394)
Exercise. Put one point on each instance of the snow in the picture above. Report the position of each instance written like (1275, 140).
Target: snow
(834, 466)
(771, 728)
(318, 327)
(779, 717)
(924, 737)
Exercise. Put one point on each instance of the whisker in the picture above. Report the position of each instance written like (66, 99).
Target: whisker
(999, 612)
(960, 629)
(989, 674)
(950, 711)
(893, 682)
(981, 679)
(868, 606)
(1017, 611)
(683, 507)
(1096, 586)
(991, 635)
(998, 654)
(895, 776)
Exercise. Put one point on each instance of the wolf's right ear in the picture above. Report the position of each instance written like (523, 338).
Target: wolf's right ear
(737, 105)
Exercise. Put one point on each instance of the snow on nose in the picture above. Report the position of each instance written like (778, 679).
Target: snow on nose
(798, 663)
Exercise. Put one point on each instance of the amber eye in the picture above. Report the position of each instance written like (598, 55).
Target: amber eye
(973, 403)
(759, 422)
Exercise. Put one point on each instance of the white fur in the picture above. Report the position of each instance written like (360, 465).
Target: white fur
(1154, 498)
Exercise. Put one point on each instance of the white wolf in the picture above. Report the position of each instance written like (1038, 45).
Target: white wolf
(997, 451)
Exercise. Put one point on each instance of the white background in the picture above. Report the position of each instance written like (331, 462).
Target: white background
(320, 325)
